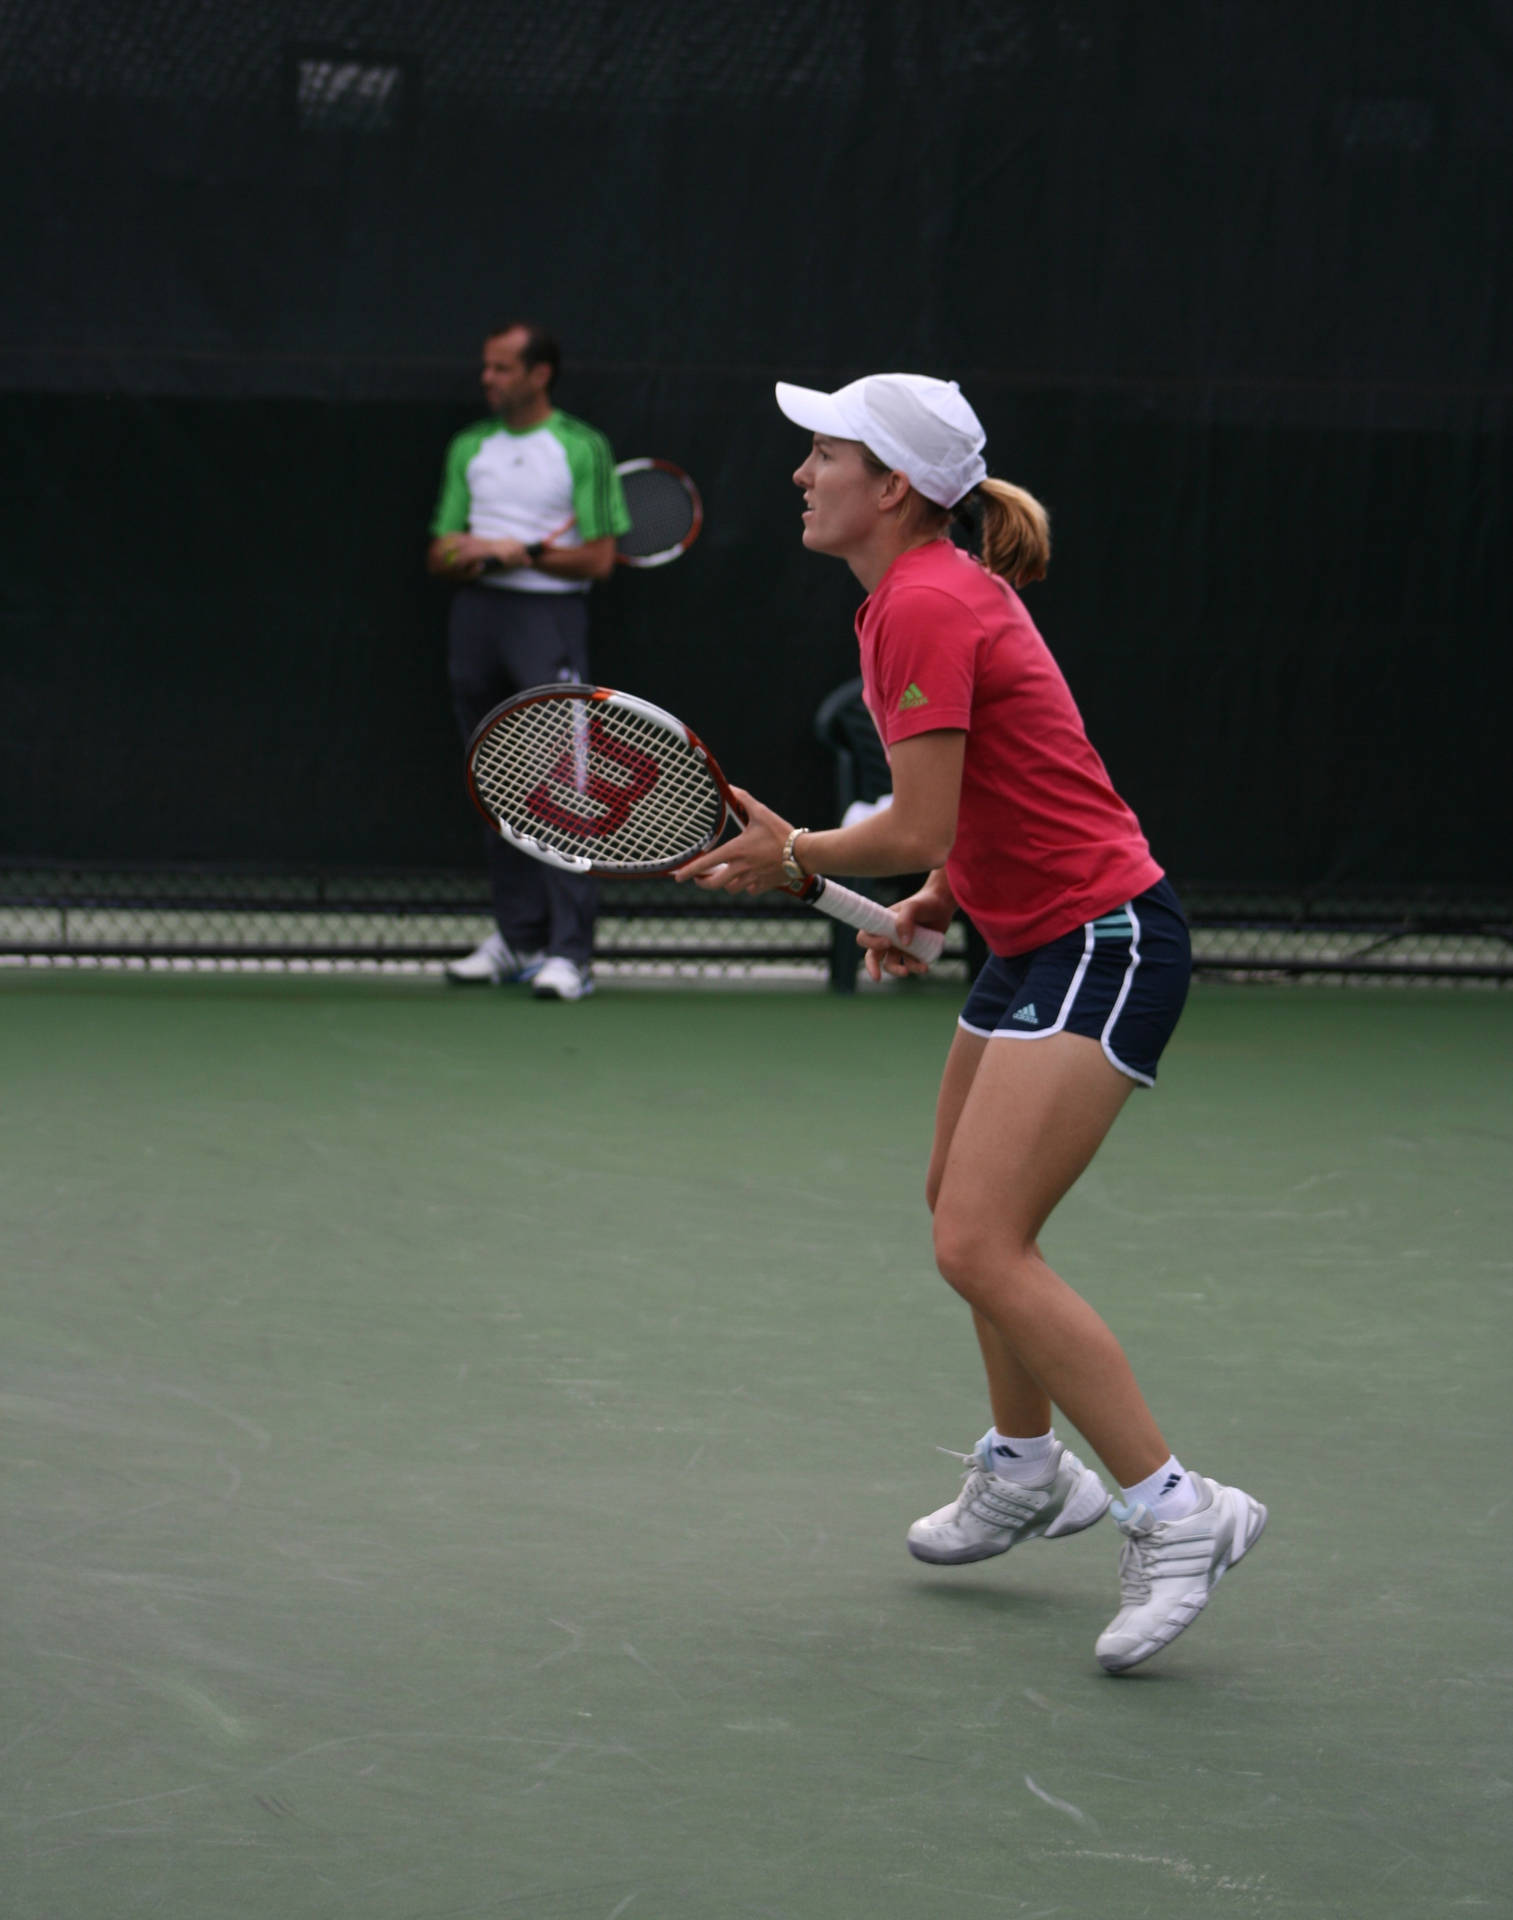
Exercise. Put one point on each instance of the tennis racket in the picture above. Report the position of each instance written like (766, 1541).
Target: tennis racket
(665, 511)
(600, 782)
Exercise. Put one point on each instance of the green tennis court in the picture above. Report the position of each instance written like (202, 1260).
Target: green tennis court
(459, 1450)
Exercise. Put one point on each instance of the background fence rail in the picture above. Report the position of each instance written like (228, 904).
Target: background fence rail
(59, 913)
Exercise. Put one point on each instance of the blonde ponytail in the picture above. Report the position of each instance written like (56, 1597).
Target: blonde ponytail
(1005, 525)
(1015, 530)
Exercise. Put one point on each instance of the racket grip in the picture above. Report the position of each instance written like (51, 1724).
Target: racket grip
(868, 916)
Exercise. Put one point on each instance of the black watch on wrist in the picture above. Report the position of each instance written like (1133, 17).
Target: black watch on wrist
(535, 550)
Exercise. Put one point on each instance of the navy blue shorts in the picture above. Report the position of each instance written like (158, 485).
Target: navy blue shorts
(1121, 980)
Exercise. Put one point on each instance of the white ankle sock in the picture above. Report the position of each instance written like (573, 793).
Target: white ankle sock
(1030, 1462)
(1170, 1493)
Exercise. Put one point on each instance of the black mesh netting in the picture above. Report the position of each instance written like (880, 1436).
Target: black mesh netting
(1225, 279)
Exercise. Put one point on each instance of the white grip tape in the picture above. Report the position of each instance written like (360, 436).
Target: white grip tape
(856, 910)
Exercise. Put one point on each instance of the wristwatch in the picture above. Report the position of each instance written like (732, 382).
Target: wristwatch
(535, 550)
(792, 871)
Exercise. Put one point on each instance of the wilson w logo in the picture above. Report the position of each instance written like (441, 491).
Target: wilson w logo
(584, 771)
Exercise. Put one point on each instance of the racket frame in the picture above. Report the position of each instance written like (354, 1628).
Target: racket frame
(607, 696)
(841, 903)
(646, 464)
(650, 464)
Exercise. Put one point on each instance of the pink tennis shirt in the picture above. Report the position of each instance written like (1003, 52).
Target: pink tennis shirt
(1043, 842)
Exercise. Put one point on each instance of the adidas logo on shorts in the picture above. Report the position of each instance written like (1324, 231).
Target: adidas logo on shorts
(1028, 1015)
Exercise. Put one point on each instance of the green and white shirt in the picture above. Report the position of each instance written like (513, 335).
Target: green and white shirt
(506, 485)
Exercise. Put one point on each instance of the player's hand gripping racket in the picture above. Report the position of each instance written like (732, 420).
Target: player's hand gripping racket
(601, 782)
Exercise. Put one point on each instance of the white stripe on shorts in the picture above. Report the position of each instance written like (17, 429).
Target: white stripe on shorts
(1069, 998)
(1144, 1079)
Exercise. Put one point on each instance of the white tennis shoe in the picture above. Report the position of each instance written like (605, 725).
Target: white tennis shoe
(494, 964)
(1167, 1569)
(992, 1514)
(559, 979)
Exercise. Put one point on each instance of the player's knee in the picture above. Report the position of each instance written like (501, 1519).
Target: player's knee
(976, 1253)
(961, 1251)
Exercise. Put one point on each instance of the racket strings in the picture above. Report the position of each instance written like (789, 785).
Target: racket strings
(662, 512)
(599, 781)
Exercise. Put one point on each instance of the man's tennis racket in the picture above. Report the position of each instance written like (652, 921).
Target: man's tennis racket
(665, 511)
(601, 782)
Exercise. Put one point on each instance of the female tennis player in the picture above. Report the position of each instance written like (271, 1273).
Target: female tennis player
(998, 794)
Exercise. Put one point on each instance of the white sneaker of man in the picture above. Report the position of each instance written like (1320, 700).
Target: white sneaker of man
(992, 1514)
(559, 979)
(1167, 1569)
(494, 964)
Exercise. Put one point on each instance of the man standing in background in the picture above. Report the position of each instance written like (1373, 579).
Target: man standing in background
(529, 513)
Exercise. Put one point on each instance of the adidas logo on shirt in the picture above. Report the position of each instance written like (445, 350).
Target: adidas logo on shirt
(1028, 1015)
(912, 697)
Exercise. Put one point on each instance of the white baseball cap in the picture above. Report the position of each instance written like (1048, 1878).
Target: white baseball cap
(922, 428)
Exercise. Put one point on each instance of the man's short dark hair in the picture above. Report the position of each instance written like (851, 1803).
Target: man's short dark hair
(540, 346)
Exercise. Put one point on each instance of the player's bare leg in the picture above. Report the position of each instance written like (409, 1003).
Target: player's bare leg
(1034, 1115)
(1032, 1118)
(1019, 1403)
(1021, 1483)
